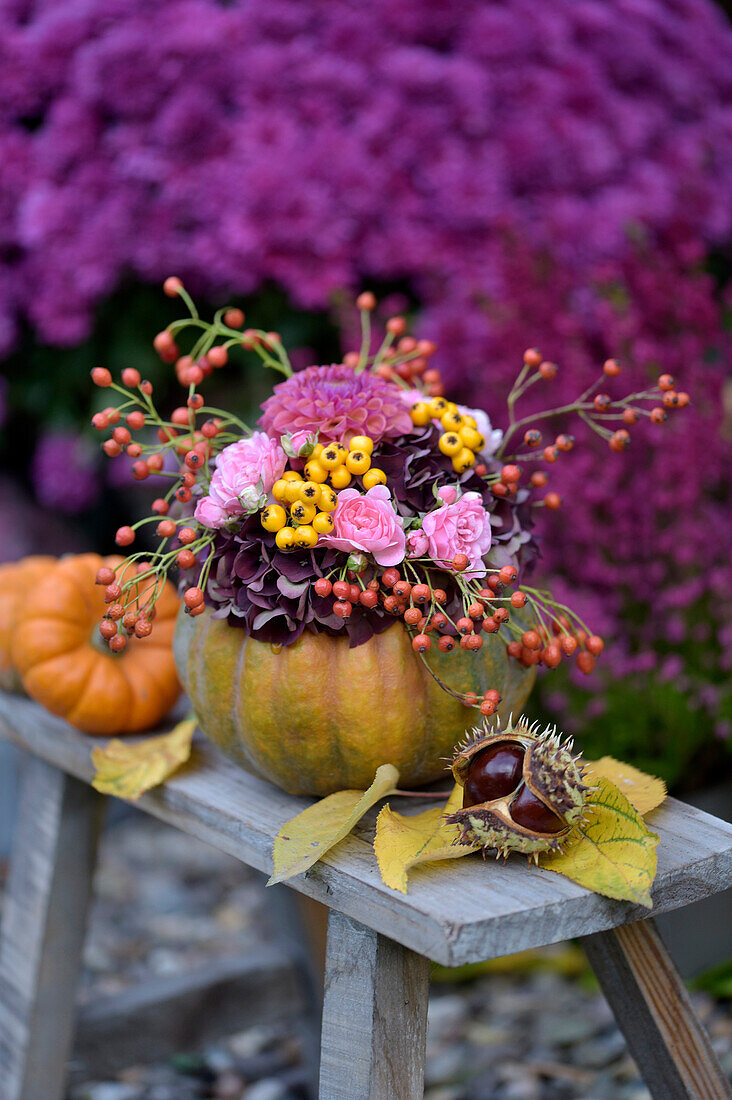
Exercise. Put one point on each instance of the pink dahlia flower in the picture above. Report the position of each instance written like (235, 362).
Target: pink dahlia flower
(338, 404)
(367, 521)
(245, 472)
(462, 527)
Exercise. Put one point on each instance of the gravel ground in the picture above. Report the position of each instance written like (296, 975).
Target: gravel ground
(164, 903)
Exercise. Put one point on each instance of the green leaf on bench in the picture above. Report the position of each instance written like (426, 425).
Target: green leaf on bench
(305, 839)
(402, 841)
(126, 769)
(614, 854)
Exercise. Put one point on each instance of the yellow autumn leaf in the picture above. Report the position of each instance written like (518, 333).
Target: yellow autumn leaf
(127, 769)
(404, 841)
(646, 792)
(614, 854)
(305, 839)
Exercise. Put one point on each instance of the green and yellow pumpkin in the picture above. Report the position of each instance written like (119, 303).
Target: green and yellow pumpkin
(316, 716)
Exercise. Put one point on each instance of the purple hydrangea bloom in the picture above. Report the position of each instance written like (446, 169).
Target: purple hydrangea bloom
(64, 473)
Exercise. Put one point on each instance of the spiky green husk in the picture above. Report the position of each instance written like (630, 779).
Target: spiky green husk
(490, 832)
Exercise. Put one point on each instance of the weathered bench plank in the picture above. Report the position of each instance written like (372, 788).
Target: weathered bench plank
(502, 909)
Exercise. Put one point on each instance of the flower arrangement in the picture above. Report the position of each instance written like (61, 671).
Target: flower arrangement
(363, 495)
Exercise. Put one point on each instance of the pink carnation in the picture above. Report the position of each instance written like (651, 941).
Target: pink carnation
(245, 472)
(462, 527)
(368, 522)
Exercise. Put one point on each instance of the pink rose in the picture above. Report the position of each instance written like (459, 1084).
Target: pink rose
(417, 544)
(462, 527)
(368, 522)
(447, 494)
(210, 514)
(245, 472)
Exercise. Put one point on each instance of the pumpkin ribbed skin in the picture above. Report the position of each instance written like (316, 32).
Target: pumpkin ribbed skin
(317, 717)
(17, 580)
(56, 652)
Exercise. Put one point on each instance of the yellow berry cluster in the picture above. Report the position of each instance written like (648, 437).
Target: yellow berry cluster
(310, 500)
(461, 440)
(338, 464)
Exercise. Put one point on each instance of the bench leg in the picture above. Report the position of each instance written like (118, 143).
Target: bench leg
(653, 1010)
(42, 935)
(374, 1016)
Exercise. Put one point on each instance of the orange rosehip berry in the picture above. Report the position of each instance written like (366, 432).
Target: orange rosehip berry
(115, 611)
(160, 507)
(368, 599)
(192, 597)
(499, 489)
(155, 463)
(403, 588)
(476, 611)
(166, 529)
(366, 301)
(439, 596)
(507, 575)
(658, 415)
(135, 420)
(117, 643)
(532, 438)
(342, 608)
(666, 382)
(460, 562)
(186, 535)
(130, 377)
(553, 501)
(611, 367)
(585, 663)
(105, 575)
(569, 643)
(539, 479)
(172, 285)
(532, 357)
(510, 473)
(100, 376)
(491, 624)
(530, 640)
(518, 599)
(564, 442)
(487, 708)
(140, 470)
(421, 593)
(446, 643)
(551, 656)
(619, 440)
(143, 628)
(670, 399)
(163, 343)
(397, 326)
(473, 642)
(465, 625)
(548, 370)
(602, 402)
(186, 559)
(412, 616)
(595, 644)
(234, 318)
(218, 356)
(199, 610)
(501, 615)
(107, 628)
(683, 399)
(111, 448)
(146, 387)
(112, 592)
(513, 649)
(128, 621)
(389, 577)
(125, 536)
(183, 494)
(630, 416)
(195, 401)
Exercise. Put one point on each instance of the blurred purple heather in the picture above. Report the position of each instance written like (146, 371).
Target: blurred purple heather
(64, 474)
(554, 174)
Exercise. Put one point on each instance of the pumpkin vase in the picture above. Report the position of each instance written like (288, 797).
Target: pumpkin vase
(317, 716)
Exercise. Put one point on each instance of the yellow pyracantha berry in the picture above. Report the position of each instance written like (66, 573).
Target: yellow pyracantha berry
(340, 478)
(421, 414)
(332, 456)
(274, 518)
(291, 475)
(285, 538)
(358, 462)
(437, 406)
(279, 489)
(362, 443)
(292, 492)
(328, 501)
(470, 421)
(374, 476)
(316, 471)
(452, 420)
(306, 537)
(472, 438)
(310, 492)
(463, 460)
(317, 450)
(450, 443)
(323, 523)
(302, 513)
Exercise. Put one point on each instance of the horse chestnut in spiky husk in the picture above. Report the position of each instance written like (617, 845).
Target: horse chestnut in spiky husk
(523, 791)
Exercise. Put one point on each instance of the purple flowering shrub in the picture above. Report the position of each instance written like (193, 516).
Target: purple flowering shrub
(553, 174)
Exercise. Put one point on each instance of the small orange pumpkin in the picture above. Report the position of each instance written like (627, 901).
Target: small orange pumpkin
(17, 580)
(66, 667)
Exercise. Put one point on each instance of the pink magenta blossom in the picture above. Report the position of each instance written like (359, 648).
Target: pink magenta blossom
(462, 527)
(447, 494)
(245, 472)
(417, 544)
(210, 513)
(368, 522)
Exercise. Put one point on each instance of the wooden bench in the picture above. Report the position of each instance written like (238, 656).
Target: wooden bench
(380, 943)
